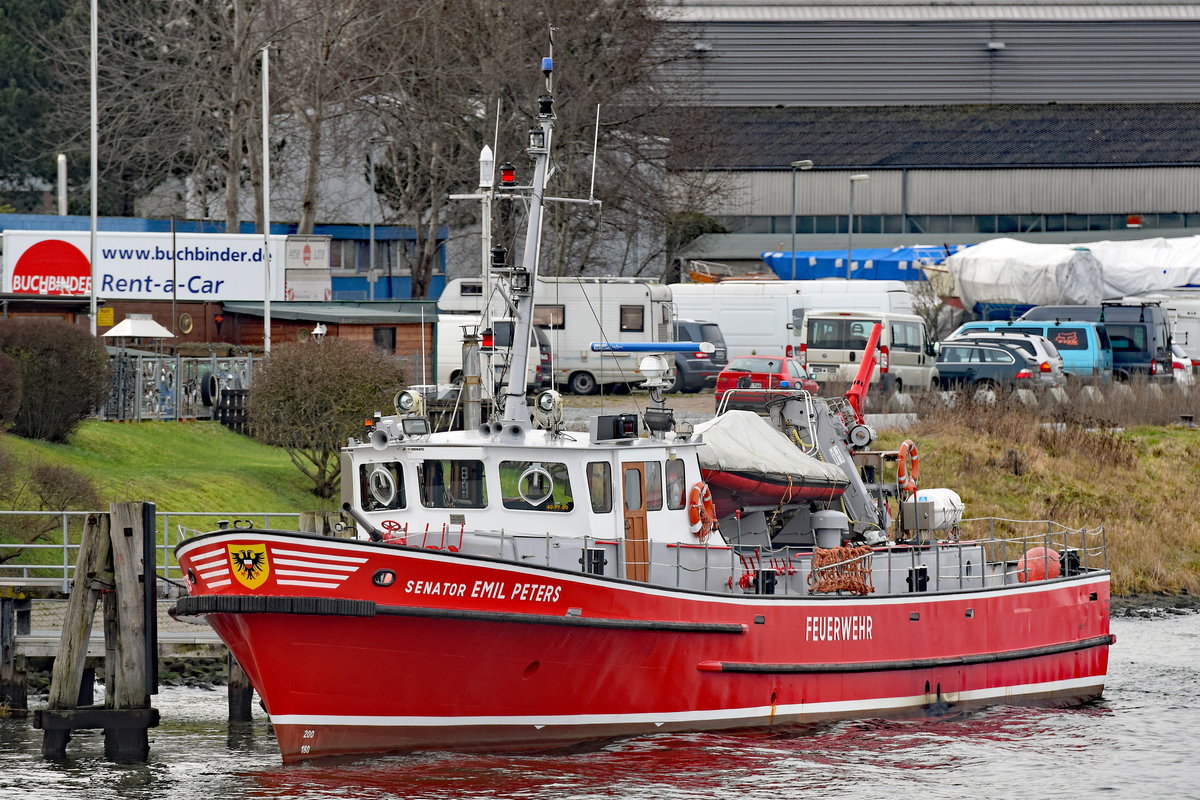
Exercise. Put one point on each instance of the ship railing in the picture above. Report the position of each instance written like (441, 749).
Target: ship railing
(43, 546)
(979, 553)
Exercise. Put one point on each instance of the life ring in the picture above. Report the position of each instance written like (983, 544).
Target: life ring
(702, 512)
(908, 467)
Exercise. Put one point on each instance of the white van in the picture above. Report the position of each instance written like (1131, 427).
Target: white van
(766, 317)
(832, 345)
(451, 328)
(575, 312)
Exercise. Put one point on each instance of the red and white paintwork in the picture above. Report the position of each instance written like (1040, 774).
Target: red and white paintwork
(469, 652)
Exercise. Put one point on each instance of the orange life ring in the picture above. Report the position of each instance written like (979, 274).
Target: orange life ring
(702, 512)
(906, 475)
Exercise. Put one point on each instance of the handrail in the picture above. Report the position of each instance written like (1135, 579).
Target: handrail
(999, 554)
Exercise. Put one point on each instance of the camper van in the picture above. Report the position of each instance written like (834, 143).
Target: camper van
(575, 312)
(495, 352)
(766, 317)
(832, 345)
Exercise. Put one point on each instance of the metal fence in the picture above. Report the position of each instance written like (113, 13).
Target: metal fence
(50, 561)
(160, 387)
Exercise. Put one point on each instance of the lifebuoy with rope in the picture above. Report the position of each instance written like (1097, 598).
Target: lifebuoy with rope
(702, 511)
(908, 467)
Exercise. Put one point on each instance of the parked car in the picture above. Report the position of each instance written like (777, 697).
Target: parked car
(976, 365)
(695, 371)
(756, 373)
(1183, 366)
(1084, 346)
(1140, 334)
(1049, 361)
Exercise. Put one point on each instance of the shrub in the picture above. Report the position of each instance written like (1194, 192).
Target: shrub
(309, 397)
(10, 389)
(64, 375)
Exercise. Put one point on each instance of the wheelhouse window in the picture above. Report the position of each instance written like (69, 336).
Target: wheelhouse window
(676, 484)
(452, 483)
(654, 492)
(381, 486)
(633, 318)
(599, 476)
(536, 485)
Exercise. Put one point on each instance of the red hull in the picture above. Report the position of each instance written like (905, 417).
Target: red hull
(470, 653)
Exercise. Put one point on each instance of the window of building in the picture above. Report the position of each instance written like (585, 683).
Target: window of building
(385, 339)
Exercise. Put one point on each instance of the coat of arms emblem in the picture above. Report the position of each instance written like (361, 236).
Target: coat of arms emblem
(249, 564)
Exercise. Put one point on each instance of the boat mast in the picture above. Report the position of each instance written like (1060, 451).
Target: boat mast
(525, 279)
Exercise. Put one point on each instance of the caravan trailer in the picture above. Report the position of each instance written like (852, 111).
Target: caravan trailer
(766, 317)
(574, 313)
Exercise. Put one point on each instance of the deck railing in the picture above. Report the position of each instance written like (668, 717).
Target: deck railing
(707, 566)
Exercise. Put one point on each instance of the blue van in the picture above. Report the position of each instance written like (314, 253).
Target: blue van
(1084, 346)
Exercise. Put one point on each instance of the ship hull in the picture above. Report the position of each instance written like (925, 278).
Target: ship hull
(357, 647)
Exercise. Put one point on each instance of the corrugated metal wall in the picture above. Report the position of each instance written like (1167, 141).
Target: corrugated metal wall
(876, 63)
(951, 191)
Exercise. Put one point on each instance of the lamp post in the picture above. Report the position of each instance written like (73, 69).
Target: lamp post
(862, 176)
(371, 235)
(805, 164)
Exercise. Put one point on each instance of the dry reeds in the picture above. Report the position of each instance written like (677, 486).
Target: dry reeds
(1124, 457)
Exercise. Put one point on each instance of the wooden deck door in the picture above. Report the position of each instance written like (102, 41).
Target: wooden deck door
(637, 545)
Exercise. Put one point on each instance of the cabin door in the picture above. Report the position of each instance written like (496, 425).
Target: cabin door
(637, 545)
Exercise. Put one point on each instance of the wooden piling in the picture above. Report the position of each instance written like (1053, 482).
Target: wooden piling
(14, 619)
(241, 693)
(115, 563)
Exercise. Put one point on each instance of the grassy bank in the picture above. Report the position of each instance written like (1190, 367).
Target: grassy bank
(189, 466)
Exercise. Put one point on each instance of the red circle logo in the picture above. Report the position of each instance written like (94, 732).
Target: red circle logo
(52, 267)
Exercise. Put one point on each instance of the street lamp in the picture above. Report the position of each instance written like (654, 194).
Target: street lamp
(805, 164)
(371, 236)
(862, 176)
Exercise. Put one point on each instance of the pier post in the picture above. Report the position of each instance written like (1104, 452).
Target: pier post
(14, 619)
(241, 693)
(114, 563)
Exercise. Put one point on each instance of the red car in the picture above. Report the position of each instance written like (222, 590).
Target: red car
(762, 372)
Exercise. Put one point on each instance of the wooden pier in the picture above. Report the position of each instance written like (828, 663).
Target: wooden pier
(111, 619)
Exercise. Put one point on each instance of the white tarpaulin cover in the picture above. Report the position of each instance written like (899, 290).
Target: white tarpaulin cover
(1011, 271)
(1147, 265)
(742, 441)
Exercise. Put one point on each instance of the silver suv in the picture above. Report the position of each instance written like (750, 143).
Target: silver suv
(1049, 362)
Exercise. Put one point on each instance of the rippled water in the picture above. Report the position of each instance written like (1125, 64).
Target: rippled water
(1138, 741)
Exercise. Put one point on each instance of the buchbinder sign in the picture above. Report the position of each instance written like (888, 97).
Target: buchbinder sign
(142, 266)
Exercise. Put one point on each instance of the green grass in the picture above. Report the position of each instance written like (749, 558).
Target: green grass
(188, 466)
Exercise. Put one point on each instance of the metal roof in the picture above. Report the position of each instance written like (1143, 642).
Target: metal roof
(389, 313)
(742, 11)
(956, 136)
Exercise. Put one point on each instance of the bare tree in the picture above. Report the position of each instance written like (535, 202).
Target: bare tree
(611, 55)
